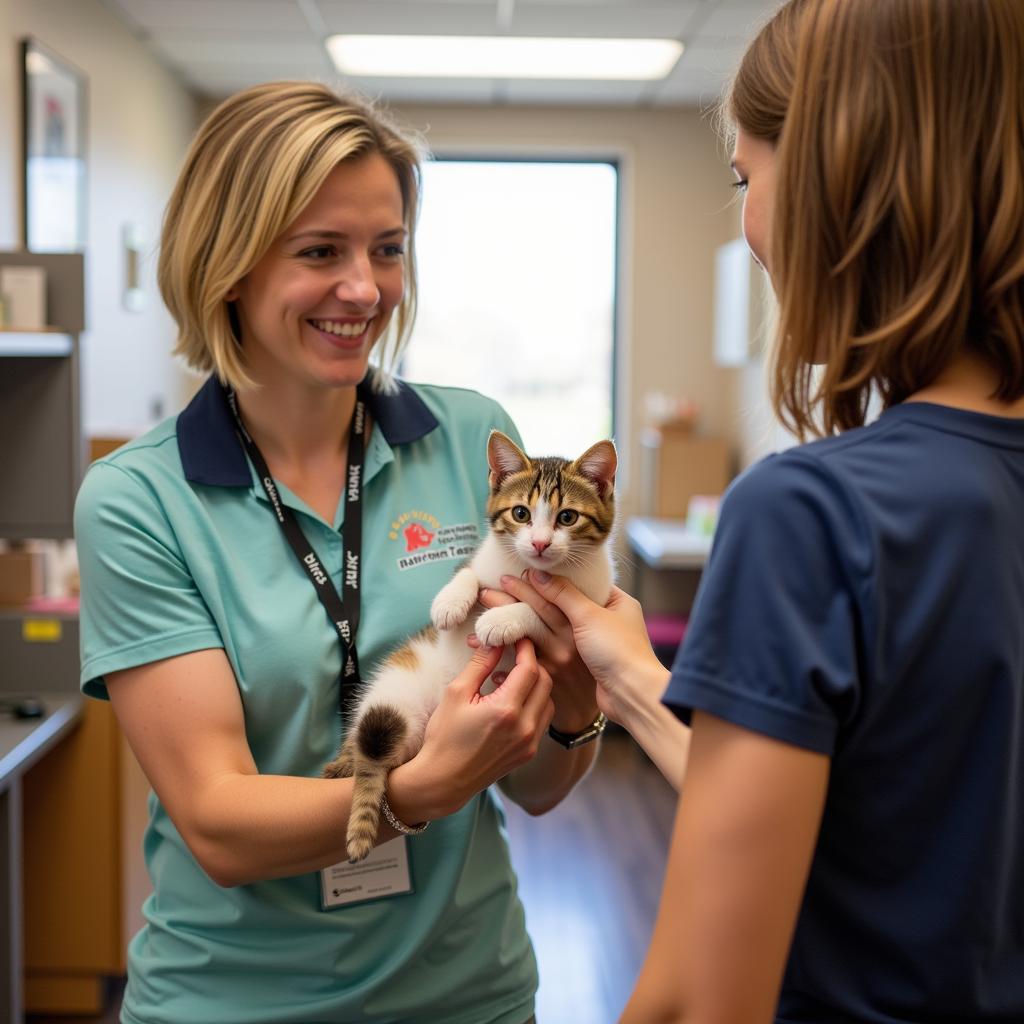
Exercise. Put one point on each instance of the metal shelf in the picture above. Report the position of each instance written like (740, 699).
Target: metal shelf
(41, 449)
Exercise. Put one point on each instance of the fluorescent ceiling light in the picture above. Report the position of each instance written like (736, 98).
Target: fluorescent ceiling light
(503, 57)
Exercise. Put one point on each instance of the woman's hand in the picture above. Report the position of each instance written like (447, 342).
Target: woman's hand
(472, 740)
(575, 691)
(612, 641)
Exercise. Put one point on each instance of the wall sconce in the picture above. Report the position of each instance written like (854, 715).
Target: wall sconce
(133, 298)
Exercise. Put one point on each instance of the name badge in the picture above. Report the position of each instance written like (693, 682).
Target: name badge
(384, 872)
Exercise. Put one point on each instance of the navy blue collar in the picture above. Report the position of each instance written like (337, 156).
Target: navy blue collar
(211, 452)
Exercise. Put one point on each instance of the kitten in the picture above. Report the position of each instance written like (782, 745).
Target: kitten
(544, 513)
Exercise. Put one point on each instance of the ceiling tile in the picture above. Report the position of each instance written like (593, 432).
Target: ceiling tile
(538, 91)
(695, 93)
(691, 88)
(664, 5)
(217, 79)
(636, 21)
(154, 16)
(410, 17)
(737, 18)
(217, 83)
(425, 90)
(231, 48)
(718, 57)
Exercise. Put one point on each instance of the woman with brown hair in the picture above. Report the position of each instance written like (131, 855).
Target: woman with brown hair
(850, 836)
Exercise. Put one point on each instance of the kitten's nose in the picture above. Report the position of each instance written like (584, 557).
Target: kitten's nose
(541, 545)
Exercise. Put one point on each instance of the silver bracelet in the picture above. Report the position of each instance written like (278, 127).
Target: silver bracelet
(399, 826)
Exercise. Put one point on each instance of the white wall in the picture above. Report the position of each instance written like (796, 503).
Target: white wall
(140, 120)
(677, 211)
(758, 431)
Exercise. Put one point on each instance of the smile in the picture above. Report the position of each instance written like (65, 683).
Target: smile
(342, 330)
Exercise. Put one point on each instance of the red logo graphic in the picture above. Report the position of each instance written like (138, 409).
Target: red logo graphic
(417, 536)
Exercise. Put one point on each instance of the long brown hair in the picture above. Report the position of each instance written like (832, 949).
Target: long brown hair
(898, 225)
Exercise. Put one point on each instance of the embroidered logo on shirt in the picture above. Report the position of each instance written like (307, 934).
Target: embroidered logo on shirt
(426, 540)
(416, 536)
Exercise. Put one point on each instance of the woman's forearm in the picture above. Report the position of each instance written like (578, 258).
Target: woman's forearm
(661, 735)
(249, 828)
(542, 784)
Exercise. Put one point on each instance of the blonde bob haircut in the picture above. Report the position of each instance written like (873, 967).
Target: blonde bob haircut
(255, 164)
(897, 238)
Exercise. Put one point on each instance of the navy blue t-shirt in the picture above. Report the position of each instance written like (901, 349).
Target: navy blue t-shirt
(864, 598)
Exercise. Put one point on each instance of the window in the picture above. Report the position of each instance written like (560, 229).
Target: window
(517, 270)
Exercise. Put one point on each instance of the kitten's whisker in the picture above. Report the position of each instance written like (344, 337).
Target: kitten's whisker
(627, 560)
(581, 559)
(576, 561)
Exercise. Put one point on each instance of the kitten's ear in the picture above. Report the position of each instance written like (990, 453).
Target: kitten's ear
(504, 457)
(598, 464)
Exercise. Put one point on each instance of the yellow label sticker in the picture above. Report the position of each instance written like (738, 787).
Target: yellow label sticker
(40, 631)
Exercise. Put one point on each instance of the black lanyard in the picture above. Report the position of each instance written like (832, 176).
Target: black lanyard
(343, 611)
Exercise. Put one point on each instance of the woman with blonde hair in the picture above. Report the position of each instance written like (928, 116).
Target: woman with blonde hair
(211, 549)
(849, 843)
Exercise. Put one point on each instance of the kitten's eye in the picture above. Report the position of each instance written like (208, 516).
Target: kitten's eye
(567, 517)
(521, 514)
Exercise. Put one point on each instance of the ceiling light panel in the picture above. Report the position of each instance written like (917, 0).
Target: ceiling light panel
(504, 57)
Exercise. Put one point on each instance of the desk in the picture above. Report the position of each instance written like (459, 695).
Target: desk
(675, 556)
(22, 743)
(667, 543)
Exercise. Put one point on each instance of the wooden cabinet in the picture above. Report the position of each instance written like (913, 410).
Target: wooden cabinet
(72, 858)
(83, 814)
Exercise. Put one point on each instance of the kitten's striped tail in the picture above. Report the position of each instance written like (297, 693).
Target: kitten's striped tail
(377, 749)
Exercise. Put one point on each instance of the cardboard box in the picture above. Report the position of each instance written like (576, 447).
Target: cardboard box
(21, 576)
(679, 465)
(24, 292)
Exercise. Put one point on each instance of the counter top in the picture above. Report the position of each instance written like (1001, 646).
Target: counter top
(24, 740)
(667, 543)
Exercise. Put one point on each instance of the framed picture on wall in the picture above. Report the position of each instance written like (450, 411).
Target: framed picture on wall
(54, 146)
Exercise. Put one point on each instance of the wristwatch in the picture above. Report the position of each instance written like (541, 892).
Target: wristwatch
(572, 740)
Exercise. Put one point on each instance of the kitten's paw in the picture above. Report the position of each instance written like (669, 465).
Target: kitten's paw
(499, 627)
(342, 767)
(358, 848)
(447, 612)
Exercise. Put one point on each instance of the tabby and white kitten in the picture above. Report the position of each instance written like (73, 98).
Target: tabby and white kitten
(544, 513)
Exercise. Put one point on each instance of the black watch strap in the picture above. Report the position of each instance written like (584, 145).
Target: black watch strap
(572, 740)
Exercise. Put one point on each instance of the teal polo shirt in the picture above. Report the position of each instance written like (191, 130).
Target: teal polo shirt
(180, 551)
